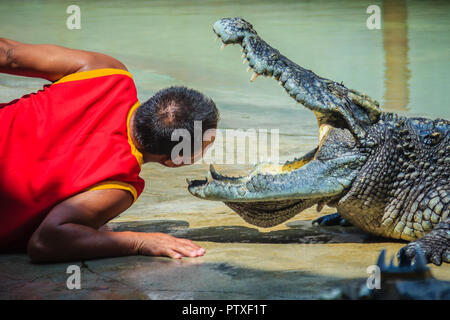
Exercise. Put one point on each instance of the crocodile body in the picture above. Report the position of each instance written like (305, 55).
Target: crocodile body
(402, 190)
(385, 173)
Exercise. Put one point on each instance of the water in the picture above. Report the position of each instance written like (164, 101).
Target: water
(404, 65)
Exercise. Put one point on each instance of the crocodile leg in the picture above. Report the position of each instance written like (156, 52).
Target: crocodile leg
(334, 219)
(435, 245)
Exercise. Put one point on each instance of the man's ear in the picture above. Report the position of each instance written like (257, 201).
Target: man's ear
(169, 163)
(177, 162)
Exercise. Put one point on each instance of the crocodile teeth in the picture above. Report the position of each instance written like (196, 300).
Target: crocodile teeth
(244, 61)
(243, 55)
(254, 76)
(213, 173)
(223, 46)
(217, 38)
(320, 206)
(249, 69)
(209, 177)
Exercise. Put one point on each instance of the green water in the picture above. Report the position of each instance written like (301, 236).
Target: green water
(171, 43)
(405, 65)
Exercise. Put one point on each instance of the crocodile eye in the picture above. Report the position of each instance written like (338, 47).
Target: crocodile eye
(429, 132)
(435, 137)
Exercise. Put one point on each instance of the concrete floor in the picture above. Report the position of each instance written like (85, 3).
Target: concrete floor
(292, 261)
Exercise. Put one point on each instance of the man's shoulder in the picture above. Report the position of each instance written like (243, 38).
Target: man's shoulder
(110, 201)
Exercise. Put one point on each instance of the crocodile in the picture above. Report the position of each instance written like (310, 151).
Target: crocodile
(384, 173)
(405, 281)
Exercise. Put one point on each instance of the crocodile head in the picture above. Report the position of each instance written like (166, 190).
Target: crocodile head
(271, 194)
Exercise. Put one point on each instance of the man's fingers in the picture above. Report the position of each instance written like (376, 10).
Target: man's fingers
(159, 244)
(189, 251)
(192, 246)
(172, 254)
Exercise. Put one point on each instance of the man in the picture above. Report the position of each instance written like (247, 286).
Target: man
(71, 153)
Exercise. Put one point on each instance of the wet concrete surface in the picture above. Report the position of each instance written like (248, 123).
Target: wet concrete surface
(292, 261)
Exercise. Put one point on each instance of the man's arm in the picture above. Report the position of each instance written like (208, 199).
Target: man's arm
(71, 232)
(50, 62)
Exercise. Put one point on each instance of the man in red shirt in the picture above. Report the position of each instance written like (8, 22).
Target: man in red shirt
(71, 153)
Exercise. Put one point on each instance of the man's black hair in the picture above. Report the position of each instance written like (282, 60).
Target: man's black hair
(170, 109)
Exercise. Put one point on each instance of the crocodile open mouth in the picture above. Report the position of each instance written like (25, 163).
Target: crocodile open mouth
(256, 67)
(273, 193)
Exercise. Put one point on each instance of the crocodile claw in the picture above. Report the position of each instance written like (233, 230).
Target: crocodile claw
(434, 246)
(334, 219)
(405, 263)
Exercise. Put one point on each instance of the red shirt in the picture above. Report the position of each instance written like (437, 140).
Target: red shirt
(69, 137)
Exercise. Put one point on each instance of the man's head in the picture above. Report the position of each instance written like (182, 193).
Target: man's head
(173, 109)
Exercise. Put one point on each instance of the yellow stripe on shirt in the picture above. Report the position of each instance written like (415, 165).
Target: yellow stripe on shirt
(92, 74)
(115, 185)
(134, 150)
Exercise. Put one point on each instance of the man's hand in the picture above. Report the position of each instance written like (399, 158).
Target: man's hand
(72, 231)
(160, 244)
(50, 62)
